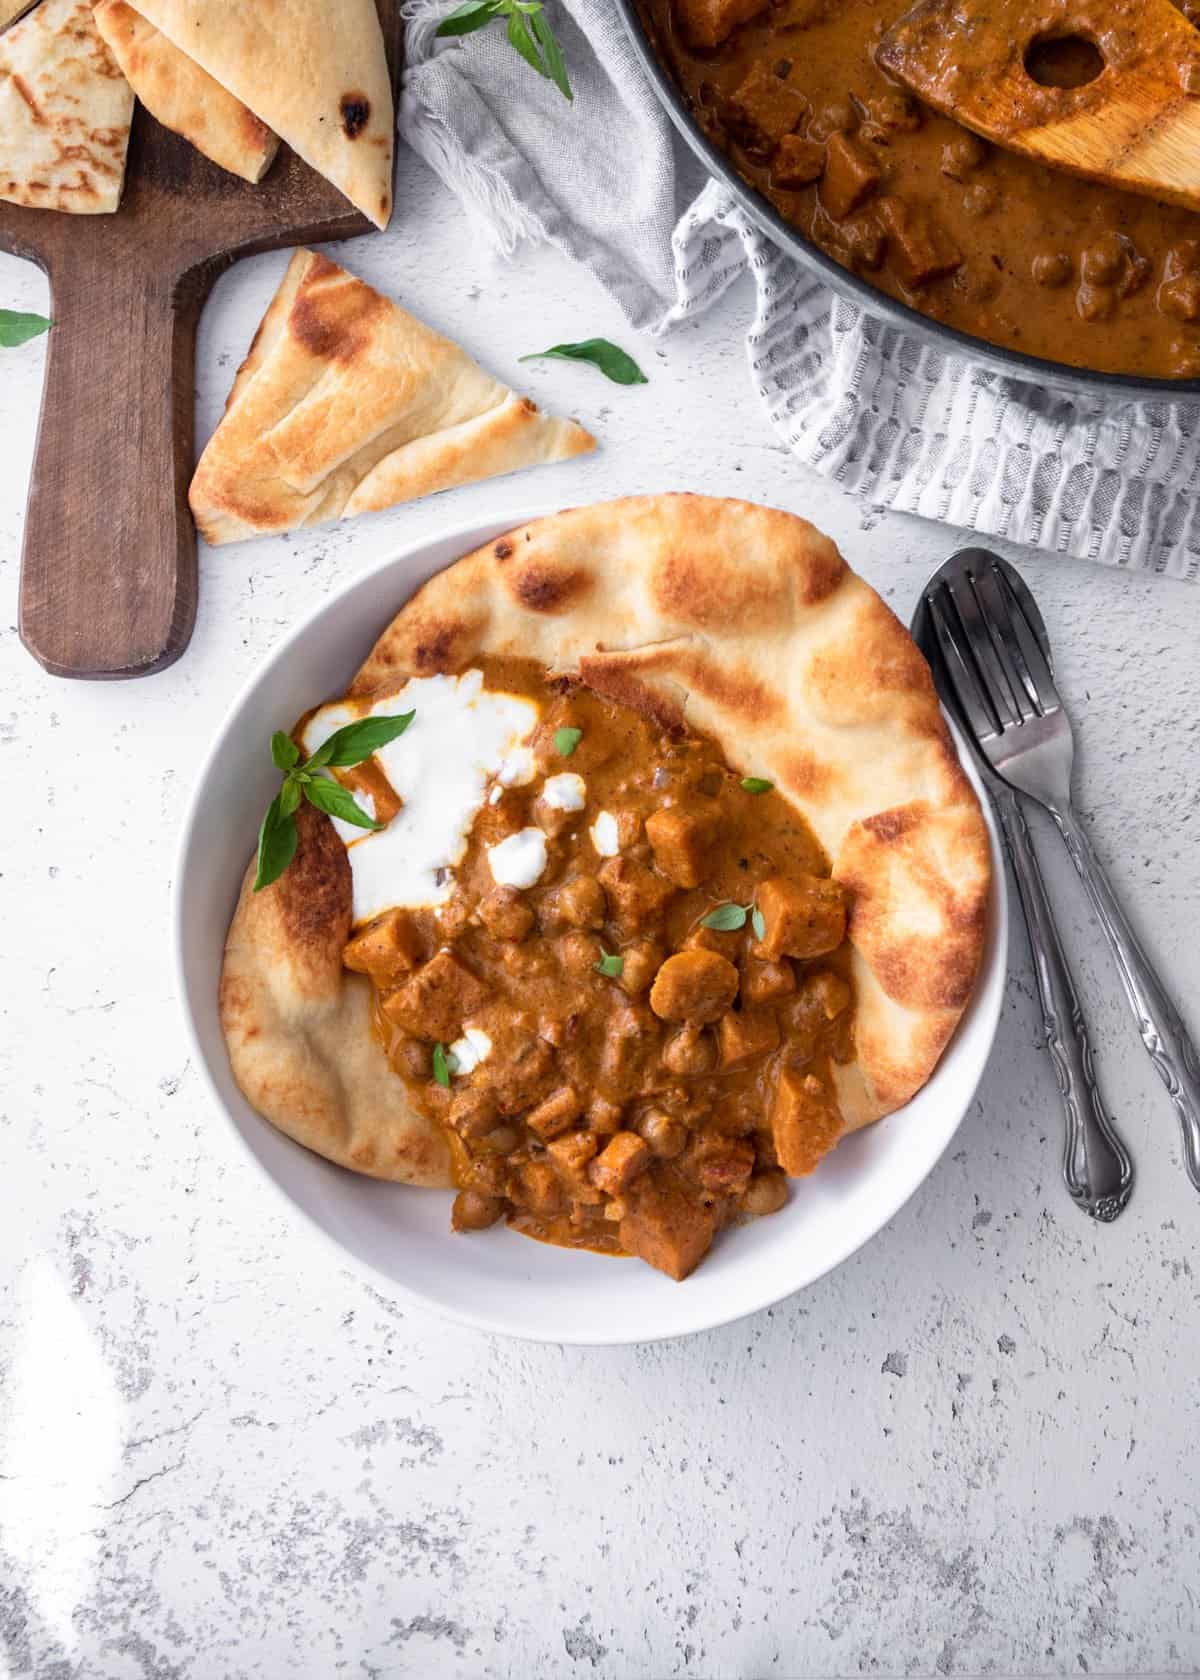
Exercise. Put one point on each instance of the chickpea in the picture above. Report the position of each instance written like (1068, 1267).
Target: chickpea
(1051, 268)
(692, 1050)
(765, 1193)
(665, 1135)
(1102, 261)
(962, 154)
(474, 1211)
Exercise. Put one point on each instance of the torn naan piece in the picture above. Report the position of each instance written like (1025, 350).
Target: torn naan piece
(347, 404)
(183, 97)
(315, 71)
(65, 113)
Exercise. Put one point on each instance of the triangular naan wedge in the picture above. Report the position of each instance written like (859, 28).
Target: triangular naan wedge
(314, 71)
(65, 111)
(347, 404)
(183, 97)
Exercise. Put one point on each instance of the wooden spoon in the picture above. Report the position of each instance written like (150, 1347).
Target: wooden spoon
(1128, 114)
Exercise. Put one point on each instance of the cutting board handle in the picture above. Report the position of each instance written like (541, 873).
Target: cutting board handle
(108, 568)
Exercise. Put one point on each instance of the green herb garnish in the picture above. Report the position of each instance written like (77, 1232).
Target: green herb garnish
(566, 740)
(611, 965)
(757, 923)
(611, 360)
(756, 784)
(726, 917)
(345, 747)
(528, 34)
(441, 1065)
(16, 328)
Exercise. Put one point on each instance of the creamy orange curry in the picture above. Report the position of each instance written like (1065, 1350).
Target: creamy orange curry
(660, 1009)
(971, 235)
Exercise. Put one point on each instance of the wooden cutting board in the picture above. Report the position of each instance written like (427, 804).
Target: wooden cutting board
(108, 567)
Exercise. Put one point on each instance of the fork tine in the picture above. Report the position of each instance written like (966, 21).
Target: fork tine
(1026, 646)
(997, 618)
(982, 652)
(972, 696)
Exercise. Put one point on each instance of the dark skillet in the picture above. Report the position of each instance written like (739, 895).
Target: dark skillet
(1097, 388)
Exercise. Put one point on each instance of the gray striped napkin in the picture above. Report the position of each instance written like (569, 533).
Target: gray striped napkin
(890, 418)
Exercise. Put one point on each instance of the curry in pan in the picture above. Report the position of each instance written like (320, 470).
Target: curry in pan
(979, 238)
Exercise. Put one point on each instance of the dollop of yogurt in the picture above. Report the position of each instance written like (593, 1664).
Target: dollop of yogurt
(519, 860)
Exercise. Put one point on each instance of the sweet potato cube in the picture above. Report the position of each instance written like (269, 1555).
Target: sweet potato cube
(636, 895)
(437, 1000)
(623, 1157)
(387, 948)
(767, 982)
(571, 1154)
(666, 1230)
(803, 916)
(706, 23)
(556, 1112)
(694, 986)
(920, 250)
(805, 1122)
(852, 173)
(539, 1188)
(743, 1034)
(797, 163)
(682, 838)
(768, 104)
(724, 1164)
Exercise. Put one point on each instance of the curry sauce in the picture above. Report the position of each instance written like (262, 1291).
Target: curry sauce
(611, 1069)
(981, 239)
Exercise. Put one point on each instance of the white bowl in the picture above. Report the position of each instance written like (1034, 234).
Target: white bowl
(496, 1279)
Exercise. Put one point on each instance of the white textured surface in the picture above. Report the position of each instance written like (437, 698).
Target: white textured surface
(972, 1448)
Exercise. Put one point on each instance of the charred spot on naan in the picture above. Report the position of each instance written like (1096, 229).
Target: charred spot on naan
(332, 318)
(355, 110)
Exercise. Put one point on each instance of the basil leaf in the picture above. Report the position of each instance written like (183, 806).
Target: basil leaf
(611, 965)
(466, 19)
(566, 740)
(757, 784)
(441, 1065)
(289, 795)
(556, 64)
(16, 328)
(284, 751)
(337, 801)
(757, 923)
(611, 360)
(520, 39)
(357, 741)
(276, 845)
(725, 918)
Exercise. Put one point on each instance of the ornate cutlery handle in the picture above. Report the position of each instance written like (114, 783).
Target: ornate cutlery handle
(1163, 1033)
(1096, 1164)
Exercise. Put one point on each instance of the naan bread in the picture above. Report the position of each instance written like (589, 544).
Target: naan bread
(65, 112)
(742, 622)
(347, 404)
(183, 97)
(315, 71)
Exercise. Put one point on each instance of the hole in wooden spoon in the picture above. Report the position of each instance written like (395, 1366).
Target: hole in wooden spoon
(1063, 61)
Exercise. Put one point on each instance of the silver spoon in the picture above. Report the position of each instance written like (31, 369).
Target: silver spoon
(987, 628)
(1097, 1169)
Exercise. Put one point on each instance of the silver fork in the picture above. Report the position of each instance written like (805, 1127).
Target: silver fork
(985, 620)
(1096, 1167)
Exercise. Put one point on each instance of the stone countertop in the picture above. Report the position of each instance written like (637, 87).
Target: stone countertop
(971, 1448)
